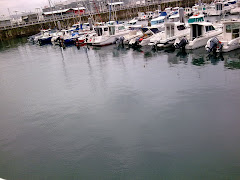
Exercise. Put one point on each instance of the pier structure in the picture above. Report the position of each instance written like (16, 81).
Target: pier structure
(123, 12)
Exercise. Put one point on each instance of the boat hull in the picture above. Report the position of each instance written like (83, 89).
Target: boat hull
(201, 41)
(43, 41)
(107, 40)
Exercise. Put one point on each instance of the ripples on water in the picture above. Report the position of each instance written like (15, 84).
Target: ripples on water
(107, 113)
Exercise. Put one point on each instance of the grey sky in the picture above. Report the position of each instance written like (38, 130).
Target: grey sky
(20, 5)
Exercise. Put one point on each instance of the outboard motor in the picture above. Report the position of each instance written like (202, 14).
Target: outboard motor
(119, 41)
(181, 44)
(213, 45)
(137, 43)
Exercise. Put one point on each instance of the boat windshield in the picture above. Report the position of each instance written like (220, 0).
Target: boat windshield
(154, 30)
(209, 28)
(112, 30)
(99, 31)
(234, 29)
(121, 27)
(145, 30)
(154, 22)
(232, 2)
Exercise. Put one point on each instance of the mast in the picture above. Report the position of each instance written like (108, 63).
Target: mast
(49, 1)
(97, 10)
(110, 7)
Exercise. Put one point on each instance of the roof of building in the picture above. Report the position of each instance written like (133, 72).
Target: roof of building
(63, 10)
(115, 3)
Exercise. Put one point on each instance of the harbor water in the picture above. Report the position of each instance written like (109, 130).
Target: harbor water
(108, 113)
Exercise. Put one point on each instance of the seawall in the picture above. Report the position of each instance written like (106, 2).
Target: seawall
(125, 14)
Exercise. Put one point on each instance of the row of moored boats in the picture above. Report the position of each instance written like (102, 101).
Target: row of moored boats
(168, 29)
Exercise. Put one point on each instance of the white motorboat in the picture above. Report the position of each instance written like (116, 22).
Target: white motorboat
(229, 40)
(168, 10)
(227, 8)
(69, 36)
(176, 28)
(173, 30)
(43, 33)
(107, 35)
(144, 40)
(132, 22)
(55, 37)
(236, 9)
(199, 9)
(200, 33)
(142, 16)
(157, 13)
(135, 32)
(174, 17)
(45, 38)
(232, 3)
(158, 22)
(218, 8)
(150, 14)
(90, 37)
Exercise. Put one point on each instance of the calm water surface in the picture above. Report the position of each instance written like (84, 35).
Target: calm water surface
(118, 114)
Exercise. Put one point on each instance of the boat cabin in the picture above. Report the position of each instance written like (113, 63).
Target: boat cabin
(211, 7)
(175, 9)
(150, 14)
(168, 10)
(109, 30)
(141, 16)
(188, 10)
(219, 6)
(200, 29)
(198, 8)
(158, 20)
(174, 18)
(231, 30)
(67, 32)
(157, 13)
(173, 29)
(45, 32)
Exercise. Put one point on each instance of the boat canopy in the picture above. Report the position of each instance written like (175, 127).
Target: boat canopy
(232, 2)
(163, 13)
(196, 18)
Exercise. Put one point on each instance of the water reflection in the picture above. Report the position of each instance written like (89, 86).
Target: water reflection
(200, 57)
(232, 60)
(12, 43)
